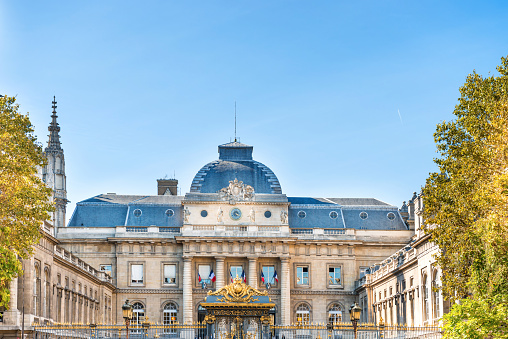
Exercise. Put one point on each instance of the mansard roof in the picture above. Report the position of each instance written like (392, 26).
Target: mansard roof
(111, 210)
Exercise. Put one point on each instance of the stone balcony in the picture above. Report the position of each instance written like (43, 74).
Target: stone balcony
(83, 266)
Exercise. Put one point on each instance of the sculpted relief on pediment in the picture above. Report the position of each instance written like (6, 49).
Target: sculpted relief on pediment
(236, 191)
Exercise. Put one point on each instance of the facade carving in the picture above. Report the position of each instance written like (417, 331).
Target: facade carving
(236, 191)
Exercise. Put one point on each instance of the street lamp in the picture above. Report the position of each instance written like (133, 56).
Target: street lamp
(127, 315)
(354, 314)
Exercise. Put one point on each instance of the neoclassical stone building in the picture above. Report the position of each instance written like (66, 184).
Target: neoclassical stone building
(57, 286)
(164, 252)
(235, 220)
(401, 288)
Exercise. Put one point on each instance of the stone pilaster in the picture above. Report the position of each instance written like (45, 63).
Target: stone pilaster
(76, 307)
(187, 290)
(219, 272)
(285, 293)
(253, 281)
(62, 305)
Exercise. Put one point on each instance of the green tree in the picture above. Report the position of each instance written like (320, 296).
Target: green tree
(466, 208)
(24, 198)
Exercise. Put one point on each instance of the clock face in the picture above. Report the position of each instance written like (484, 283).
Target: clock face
(235, 214)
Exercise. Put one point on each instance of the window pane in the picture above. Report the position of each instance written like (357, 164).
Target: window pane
(169, 274)
(236, 271)
(137, 273)
(302, 275)
(204, 272)
(334, 275)
(106, 268)
(268, 272)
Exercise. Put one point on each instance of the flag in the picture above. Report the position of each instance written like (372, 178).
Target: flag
(244, 277)
(231, 275)
(262, 277)
(275, 276)
(211, 276)
(199, 277)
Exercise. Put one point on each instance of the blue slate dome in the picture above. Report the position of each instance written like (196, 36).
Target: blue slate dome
(235, 162)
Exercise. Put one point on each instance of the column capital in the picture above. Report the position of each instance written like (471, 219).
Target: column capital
(285, 259)
(253, 258)
(187, 258)
(220, 258)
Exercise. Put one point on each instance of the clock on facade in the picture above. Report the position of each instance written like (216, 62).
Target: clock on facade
(235, 214)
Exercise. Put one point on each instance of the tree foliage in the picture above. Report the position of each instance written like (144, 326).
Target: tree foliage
(24, 198)
(466, 208)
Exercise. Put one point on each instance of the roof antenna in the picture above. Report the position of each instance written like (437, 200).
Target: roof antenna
(235, 120)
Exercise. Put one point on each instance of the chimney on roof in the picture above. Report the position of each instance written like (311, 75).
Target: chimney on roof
(167, 187)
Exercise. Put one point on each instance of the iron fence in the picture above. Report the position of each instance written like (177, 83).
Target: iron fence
(202, 331)
(347, 331)
(144, 331)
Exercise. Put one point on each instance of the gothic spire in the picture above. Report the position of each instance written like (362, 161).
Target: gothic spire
(54, 129)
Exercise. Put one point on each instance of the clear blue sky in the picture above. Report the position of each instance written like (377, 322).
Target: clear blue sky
(148, 88)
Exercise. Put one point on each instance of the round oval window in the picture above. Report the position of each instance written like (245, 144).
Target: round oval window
(391, 216)
(268, 214)
(204, 213)
(170, 213)
(137, 212)
(334, 214)
(364, 215)
(302, 214)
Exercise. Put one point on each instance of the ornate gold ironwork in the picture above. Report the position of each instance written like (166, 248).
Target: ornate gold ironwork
(238, 291)
(209, 319)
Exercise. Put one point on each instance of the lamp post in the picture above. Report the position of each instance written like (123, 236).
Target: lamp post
(127, 315)
(354, 314)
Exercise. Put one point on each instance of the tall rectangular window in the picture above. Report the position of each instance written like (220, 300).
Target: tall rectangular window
(268, 272)
(137, 273)
(236, 271)
(169, 274)
(302, 275)
(334, 276)
(204, 272)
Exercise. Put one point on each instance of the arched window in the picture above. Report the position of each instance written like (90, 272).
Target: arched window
(426, 305)
(138, 313)
(334, 313)
(303, 314)
(435, 293)
(169, 317)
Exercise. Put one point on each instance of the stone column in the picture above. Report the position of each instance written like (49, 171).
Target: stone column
(12, 315)
(219, 272)
(253, 281)
(285, 293)
(187, 290)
